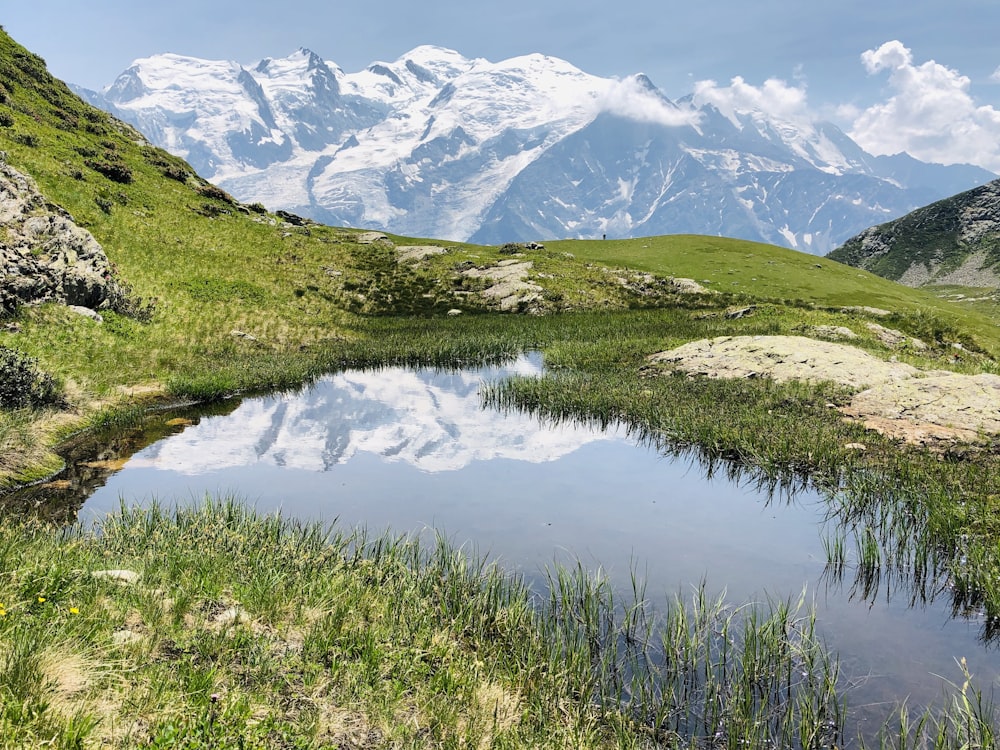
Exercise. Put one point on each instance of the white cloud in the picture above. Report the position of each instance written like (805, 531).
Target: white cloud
(931, 114)
(996, 75)
(775, 97)
(630, 98)
(845, 112)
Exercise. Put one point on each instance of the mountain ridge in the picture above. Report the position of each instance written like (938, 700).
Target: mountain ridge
(437, 144)
(952, 241)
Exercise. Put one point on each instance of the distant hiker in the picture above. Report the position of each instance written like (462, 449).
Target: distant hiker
(604, 236)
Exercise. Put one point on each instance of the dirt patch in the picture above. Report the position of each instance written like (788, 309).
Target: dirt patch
(921, 408)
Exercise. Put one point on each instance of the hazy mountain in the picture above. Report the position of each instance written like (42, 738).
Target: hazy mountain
(438, 145)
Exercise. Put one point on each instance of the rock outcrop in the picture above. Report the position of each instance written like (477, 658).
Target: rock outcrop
(943, 406)
(507, 284)
(921, 408)
(783, 358)
(44, 255)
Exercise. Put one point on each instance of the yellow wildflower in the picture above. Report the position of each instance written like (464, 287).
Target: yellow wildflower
(41, 599)
(74, 610)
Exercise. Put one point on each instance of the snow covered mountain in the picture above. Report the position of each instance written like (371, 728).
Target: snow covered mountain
(438, 145)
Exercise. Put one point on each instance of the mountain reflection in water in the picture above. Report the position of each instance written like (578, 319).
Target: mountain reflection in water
(430, 420)
(414, 450)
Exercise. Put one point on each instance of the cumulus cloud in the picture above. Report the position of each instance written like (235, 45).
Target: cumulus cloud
(931, 113)
(996, 75)
(635, 99)
(776, 97)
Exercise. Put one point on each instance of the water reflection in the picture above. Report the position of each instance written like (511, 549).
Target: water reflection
(429, 420)
(413, 449)
(92, 457)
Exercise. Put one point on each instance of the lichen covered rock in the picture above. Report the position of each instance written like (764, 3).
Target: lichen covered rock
(44, 255)
(783, 358)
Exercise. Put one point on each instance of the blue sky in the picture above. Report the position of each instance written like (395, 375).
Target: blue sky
(941, 81)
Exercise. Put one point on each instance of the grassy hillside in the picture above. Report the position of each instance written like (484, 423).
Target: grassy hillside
(776, 274)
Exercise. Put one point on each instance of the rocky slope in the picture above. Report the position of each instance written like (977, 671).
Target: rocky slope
(952, 241)
(438, 145)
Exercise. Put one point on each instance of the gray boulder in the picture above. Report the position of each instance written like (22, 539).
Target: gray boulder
(44, 255)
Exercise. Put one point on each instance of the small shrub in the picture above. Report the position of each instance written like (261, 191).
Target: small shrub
(510, 248)
(67, 120)
(124, 300)
(32, 66)
(95, 129)
(27, 139)
(24, 109)
(113, 170)
(6, 119)
(257, 208)
(103, 203)
(86, 152)
(175, 173)
(22, 384)
(215, 193)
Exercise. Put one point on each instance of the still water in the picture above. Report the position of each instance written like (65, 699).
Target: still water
(413, 450)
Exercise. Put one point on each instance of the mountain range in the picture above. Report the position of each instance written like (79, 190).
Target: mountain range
(438, 145)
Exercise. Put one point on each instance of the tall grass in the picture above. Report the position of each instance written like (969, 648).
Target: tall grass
(244, 630)
(250, 626)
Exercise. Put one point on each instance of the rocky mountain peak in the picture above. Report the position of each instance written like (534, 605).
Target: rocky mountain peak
(126, 87)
